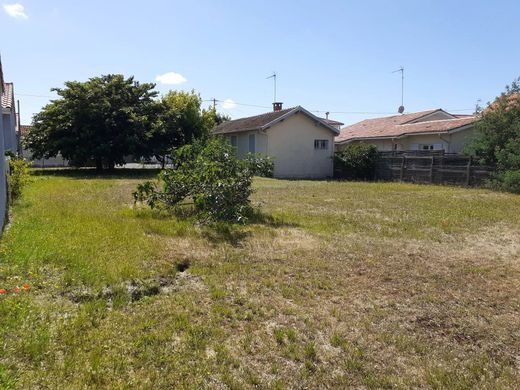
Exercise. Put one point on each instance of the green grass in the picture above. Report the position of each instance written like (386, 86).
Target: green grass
(333, 284)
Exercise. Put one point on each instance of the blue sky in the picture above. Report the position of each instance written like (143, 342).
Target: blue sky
(335, 56)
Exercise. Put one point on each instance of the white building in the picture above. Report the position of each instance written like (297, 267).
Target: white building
(301, 144)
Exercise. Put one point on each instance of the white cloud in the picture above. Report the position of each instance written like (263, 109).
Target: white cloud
(228, 104)
(171, 78)
(16, 11)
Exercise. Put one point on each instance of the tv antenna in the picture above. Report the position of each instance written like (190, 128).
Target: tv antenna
(477, 106)
(273, 76)
(400, 110)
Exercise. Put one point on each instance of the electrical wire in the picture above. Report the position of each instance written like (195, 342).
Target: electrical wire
(268, 107)
(30, 95)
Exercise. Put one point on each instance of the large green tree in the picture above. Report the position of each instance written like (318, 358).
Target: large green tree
(99, 121)
(181, 121)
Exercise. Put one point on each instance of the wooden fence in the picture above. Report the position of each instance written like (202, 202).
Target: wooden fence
(436, 168)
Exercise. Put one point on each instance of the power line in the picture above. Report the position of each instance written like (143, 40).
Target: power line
(237, 103)
(30, 95)
(353, 112)
(214, 101)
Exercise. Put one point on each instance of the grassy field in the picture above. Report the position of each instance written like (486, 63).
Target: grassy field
(334, 285)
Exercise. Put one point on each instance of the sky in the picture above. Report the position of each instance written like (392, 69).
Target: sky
(335, 56)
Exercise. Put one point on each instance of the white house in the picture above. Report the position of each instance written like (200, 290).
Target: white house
(301, 144)
(426, 130)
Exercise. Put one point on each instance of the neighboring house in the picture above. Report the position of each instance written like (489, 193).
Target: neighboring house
(3, 163)
(426, 130)
(301, 144)
(9, 118)
(51, 162)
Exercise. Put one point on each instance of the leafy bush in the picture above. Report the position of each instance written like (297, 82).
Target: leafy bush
(510, 181)
(356, 161)
(497, 138)
(18, 177)
(260, 164)
(218, 183)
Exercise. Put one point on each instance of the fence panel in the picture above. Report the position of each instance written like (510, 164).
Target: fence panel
(434, 168)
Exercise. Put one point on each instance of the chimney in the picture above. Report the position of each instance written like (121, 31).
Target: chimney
(277, 106)
(327, 115)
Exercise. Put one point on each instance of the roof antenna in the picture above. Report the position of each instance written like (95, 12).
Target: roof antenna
(400, 110)
(477, 106)
(273, 76)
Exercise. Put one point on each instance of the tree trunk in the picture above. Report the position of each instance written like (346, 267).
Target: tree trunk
(99, 164)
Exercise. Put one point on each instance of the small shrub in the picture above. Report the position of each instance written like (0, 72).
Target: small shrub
(356, 161)
(218, 183)
(18, 177)
(260, 164)
(510, 181)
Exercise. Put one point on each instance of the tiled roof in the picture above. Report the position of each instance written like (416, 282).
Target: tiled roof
(332, 122)
(264, 121)
(399, 125)
(250, 122)
(7, 96)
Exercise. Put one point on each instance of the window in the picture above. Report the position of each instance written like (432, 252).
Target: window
(252, 143)
(233, 140)
(425, 147)
(321, 144)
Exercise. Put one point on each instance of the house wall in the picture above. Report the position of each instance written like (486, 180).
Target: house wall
(450, 143)
(9, 131)
(51, 162)
(3, 178)
(439, 141)
(460, 139)
(242, 148)
(291, 144)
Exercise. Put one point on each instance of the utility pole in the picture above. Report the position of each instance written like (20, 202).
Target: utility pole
(214, 104)
(19, 127)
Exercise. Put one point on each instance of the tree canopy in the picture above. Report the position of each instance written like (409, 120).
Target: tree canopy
(498, 136)
(181, 120)
(99, 121)
(107, 118)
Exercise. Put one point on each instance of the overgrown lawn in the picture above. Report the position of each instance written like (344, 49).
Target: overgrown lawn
(333, 284)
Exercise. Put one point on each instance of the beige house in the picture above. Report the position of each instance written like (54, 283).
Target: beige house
(426, 130)
(301, 144)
